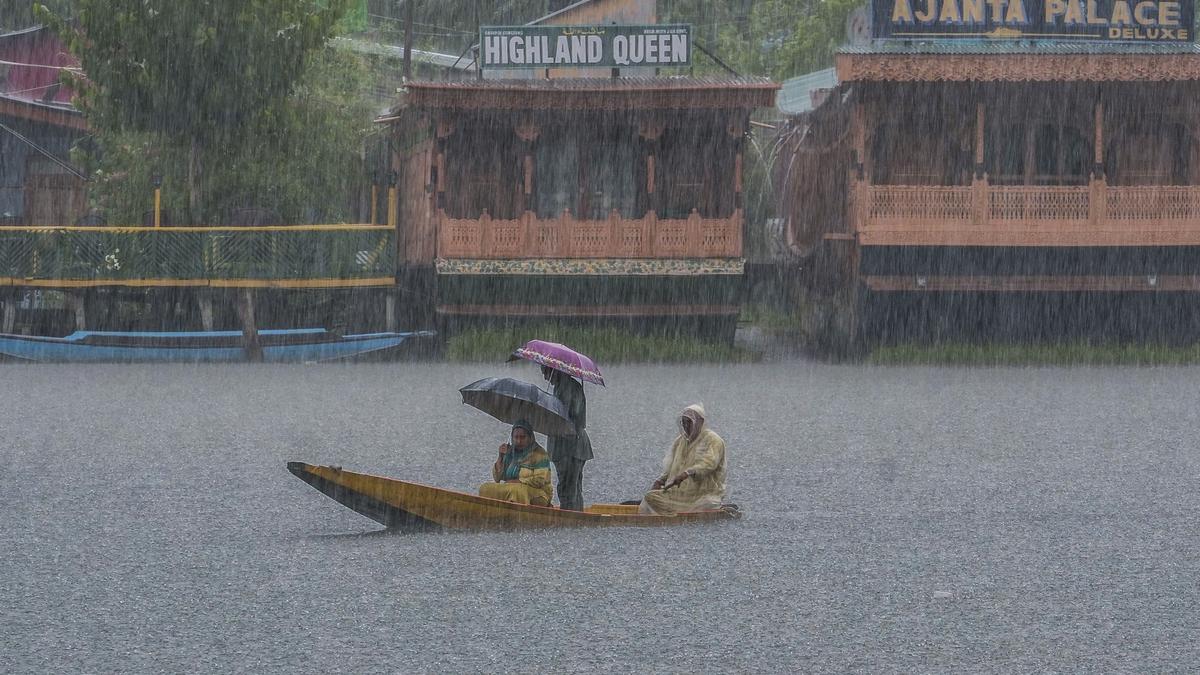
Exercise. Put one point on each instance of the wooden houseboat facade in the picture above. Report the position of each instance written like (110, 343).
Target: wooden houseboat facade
(1004, 163)
(579, 193)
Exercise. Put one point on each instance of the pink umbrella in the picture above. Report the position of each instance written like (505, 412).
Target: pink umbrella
(560, 358)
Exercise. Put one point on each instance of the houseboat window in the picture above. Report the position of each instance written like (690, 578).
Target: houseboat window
(556, 173)
(695, 171)
(930, 146)
(1149, 152)
(483, 171)
(589, 172)
(610, 174)
(1041, 152)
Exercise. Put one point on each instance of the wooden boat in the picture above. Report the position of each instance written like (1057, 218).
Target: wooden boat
(279, 346)
(403, 505)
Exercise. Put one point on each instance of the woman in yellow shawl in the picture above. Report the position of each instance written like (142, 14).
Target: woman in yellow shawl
(522, 471)
(693, 476)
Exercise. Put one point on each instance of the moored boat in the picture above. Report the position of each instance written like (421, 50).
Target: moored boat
(279, 346)
(408, 506)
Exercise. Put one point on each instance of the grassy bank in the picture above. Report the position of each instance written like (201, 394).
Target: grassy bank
(604, 345)
(1058, 354)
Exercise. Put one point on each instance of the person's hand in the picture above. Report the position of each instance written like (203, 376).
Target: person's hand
(504, 448)
(677, 480)
(657, 484)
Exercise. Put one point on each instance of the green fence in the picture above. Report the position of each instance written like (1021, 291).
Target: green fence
(324, 254)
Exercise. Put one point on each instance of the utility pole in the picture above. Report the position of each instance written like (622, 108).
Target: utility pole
(408, 38)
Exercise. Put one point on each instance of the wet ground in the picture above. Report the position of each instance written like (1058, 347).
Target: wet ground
(898, 520)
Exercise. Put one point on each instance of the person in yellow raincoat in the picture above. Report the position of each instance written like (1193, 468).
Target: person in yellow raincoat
(522, 470)
(693, 477)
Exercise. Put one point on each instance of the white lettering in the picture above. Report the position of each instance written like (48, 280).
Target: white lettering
(620, 47)
(679, 48)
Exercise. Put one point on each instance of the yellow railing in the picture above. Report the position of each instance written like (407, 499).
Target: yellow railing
(313, 255)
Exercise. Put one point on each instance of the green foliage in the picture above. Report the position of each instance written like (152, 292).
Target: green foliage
(194, 70)
(198, 74)
(1052, 354)
(605, 345)
(18, 14)
(300, 157)
(775, 38)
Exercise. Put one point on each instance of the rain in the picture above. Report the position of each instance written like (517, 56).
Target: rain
(599, 335)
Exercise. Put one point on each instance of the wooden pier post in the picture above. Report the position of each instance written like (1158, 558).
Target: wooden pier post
(250, 342)
(75, 301)
(389, 310)
(205, 301)
(9, 321)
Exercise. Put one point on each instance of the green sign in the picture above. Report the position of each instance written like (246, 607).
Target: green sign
(653, 45)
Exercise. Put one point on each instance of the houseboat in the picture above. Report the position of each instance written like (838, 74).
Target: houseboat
(1048, 150)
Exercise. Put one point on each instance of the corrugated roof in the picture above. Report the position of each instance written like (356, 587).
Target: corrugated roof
(984, 47)
(795, 96)
(605, 84)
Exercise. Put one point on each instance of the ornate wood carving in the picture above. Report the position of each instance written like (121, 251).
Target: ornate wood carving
(985, 215)
(491, 96)
(568, 237)
(651, 129)
(527, 130)
(1018, 67)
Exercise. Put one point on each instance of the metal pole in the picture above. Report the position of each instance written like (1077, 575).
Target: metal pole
(408, 38)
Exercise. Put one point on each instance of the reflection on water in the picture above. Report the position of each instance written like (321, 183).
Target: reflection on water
(906, 519)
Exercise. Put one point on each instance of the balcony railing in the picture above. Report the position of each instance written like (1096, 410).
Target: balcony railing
(319, 255)
(986, 215)
(567, 237)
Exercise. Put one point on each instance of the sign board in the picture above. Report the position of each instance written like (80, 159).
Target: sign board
(601, 46)
(1140, 21)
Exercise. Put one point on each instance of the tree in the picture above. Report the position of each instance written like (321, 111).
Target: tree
(301, 158)
(196, 74)
(18, 14)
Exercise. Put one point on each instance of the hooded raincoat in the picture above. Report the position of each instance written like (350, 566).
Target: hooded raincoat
(703, 458)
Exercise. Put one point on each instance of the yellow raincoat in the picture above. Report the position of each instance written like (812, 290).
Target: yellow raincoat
(704, 459)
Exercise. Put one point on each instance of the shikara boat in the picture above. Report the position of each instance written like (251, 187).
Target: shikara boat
(407, 506)
(299, 345)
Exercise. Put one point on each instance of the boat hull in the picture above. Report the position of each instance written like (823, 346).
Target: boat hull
(407, 506)
(290, 346)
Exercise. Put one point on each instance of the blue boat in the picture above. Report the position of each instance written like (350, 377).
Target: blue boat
(300, 345)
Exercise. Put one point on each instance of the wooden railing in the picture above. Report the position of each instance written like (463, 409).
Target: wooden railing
(567, 237)
(987, 215)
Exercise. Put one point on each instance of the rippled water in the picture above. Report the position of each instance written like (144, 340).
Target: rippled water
(898, 519)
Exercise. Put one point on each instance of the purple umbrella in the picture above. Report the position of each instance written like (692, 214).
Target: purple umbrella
(560, 358)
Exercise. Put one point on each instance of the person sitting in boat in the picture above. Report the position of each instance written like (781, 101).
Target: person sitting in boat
(693, 476)
(522, 471)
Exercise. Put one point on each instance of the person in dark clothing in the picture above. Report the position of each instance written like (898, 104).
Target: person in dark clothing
(569, 453)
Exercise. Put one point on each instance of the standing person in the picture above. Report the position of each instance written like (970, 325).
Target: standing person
(569, 453)
(693, 477)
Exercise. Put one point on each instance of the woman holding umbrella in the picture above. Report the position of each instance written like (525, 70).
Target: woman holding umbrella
(566, 370)
(569, 453)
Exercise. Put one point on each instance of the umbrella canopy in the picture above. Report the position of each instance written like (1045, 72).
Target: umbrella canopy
(509, 400)
(561, 358)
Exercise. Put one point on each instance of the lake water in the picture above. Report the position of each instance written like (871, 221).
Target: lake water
(897, 519)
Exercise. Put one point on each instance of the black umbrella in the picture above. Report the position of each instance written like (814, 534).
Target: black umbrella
(509, 400)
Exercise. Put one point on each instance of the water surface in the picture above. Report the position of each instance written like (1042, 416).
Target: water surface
(898, 519)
